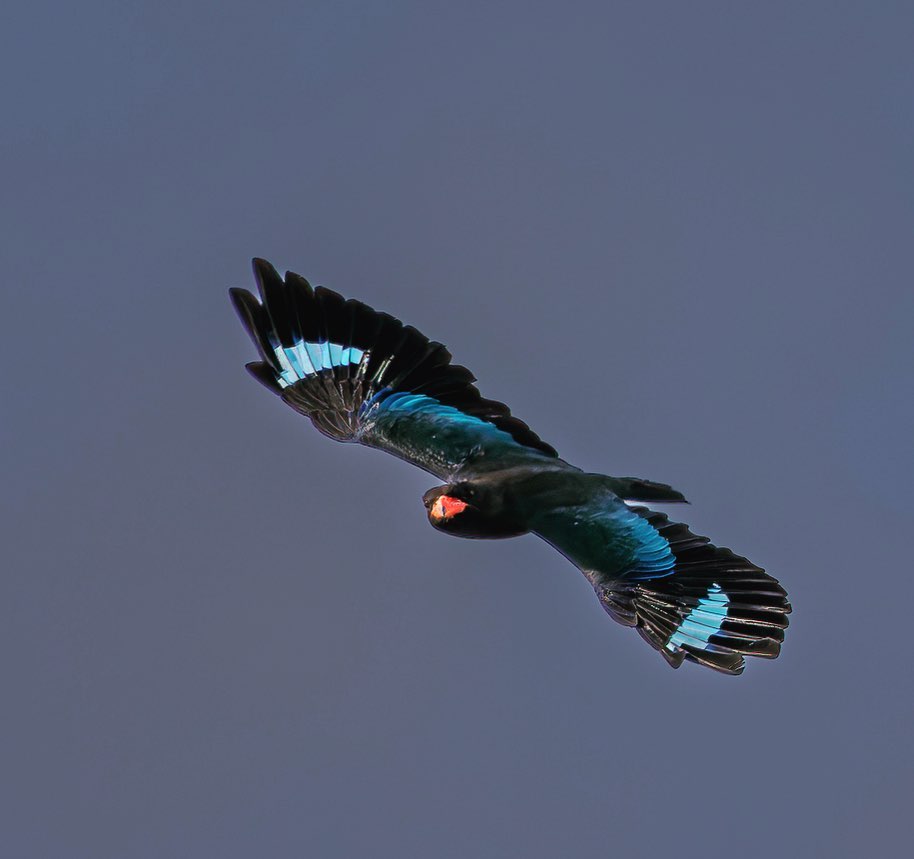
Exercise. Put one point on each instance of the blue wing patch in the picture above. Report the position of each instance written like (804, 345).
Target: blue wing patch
(450, 418)
(654, 557)
(703, 621)
(438, 437)
(304, 359)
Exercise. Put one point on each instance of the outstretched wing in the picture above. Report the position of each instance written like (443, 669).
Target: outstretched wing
(363, 376)
(686, 597)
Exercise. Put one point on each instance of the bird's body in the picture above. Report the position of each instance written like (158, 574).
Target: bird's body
(362, 376)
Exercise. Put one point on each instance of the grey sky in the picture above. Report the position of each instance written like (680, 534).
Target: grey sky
(675, 238)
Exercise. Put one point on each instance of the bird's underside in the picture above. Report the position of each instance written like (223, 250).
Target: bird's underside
(363, 376)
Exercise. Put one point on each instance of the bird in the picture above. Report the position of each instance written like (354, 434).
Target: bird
(363, 376)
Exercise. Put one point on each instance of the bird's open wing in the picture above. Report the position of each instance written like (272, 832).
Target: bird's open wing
(363, 376)
(688, 598)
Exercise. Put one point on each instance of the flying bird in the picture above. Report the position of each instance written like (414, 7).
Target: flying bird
(363, 376)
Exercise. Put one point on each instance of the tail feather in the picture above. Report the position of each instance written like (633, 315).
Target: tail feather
(713, 608)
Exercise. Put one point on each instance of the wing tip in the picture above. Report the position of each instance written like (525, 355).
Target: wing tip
(263, 268)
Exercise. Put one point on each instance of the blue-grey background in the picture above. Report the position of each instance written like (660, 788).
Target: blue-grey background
(676, 238)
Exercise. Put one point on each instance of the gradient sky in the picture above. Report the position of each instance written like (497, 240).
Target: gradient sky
(675, 238)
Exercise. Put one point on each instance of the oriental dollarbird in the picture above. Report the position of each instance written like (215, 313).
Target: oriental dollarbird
(363, 376)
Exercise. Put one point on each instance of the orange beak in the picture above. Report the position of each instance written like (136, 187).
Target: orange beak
(445, 507)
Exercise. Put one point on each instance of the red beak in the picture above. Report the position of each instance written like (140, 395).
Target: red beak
(445, 507)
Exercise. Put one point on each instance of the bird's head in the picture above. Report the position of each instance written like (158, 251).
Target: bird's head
(470, 510)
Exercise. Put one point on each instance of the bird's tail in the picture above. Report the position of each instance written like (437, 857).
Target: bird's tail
(713, 608)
